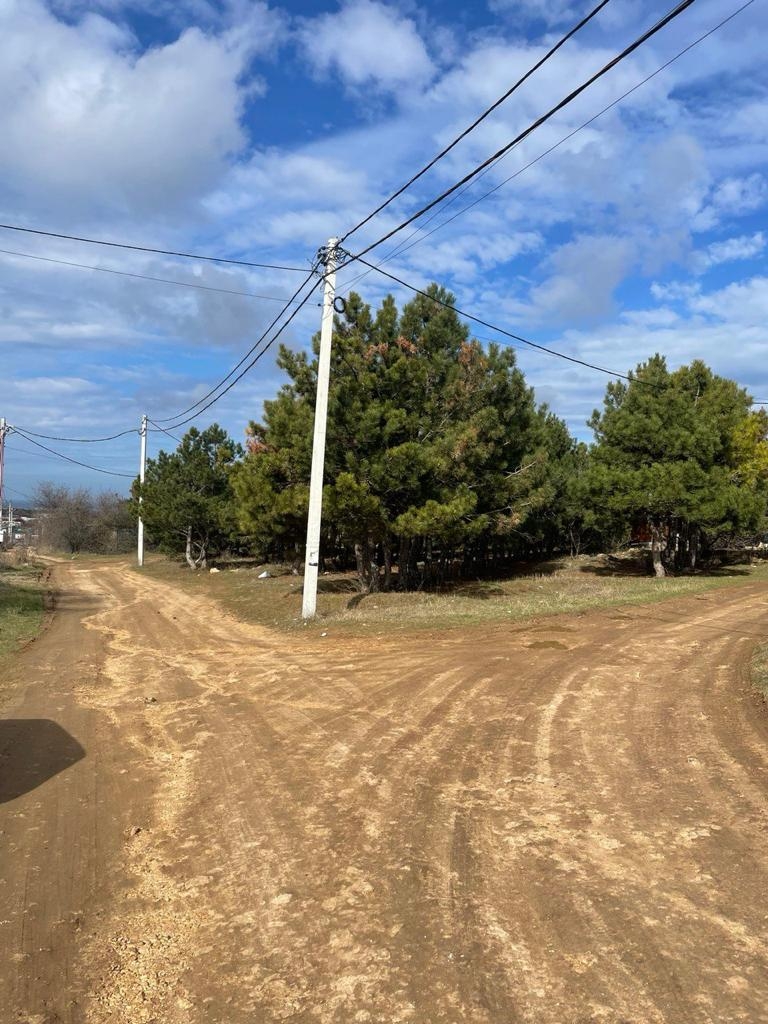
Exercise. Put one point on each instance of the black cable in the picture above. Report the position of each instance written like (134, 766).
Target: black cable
(398, 251)
(146, 248)
(253, 362)
(164, 431)
(310, 275)
(77, 440)
(19, 496)
(143, 277)
(404, 247)
(96, 469)
(501, 330)
(670, 16)
(550, 53)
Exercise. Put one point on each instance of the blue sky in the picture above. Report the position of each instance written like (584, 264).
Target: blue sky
(257, 130)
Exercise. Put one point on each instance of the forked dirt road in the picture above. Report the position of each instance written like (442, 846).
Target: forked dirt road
(560, 823)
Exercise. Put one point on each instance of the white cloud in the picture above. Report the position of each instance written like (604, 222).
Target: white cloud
(674, 291)
(367, 43)
(62, 387)
(552, 12)
(732, 196)
(744, 247)
(587, 272)
(89, 120)
(743, 302)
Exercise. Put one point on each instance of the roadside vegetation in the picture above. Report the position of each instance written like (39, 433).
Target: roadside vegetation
(562, 585)
(441, 466)
(760, 670)
(21, 603)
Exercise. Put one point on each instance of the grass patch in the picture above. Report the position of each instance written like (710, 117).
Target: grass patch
(21, 606)
(557, 587)
(760, 670)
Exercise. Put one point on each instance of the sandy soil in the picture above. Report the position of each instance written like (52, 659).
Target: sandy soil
(559, 823)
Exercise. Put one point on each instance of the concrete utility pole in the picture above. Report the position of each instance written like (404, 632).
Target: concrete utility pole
(3, 432)
(142, 471)
(312, 561)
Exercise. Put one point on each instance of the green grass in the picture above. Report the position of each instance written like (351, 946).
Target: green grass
(760, 670)
(21, 606)
(561, 586)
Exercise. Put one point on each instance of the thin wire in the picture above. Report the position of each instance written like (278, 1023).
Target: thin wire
(501, 330)
(398, 251)
(403, 246)
(307, 279)
(144, 277)
(486, 113)
(163, 430)
(648, 34)
(146, 248)
(22, 497)
(253, 362)
(85, 465)
(77, 440)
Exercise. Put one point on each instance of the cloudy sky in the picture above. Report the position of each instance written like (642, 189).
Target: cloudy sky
(255, 131)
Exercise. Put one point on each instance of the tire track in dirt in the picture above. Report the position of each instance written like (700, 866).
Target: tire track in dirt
(488, 828)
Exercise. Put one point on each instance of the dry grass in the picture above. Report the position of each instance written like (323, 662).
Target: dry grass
(760, 670)
(565, 585)
(21, 605)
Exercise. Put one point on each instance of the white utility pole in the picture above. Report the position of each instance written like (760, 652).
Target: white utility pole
(312, 560)
(3, 432)
(142, 471)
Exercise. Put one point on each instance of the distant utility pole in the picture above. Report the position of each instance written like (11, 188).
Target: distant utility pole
(312, 561)
(10, 523)
(3, 432)
(142, 471)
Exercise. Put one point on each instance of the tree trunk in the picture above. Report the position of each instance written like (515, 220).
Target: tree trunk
(188, 552)
(693, 551)
(658, 566)
(403, 564)
(387, 549)
(367, 568)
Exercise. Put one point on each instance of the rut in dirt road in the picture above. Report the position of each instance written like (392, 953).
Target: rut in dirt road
(560, 822)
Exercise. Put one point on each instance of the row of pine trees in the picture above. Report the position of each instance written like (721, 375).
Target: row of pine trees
(441, 463)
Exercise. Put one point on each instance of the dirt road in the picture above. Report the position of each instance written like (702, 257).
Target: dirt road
(560, 823)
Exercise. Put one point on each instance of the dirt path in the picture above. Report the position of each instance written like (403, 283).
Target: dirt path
(560, 823)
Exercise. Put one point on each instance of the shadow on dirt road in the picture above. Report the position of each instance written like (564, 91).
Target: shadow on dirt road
(32, 751)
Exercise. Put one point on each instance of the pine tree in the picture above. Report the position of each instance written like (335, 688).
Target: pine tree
(678, 453)
(187, 498)
(435, 446)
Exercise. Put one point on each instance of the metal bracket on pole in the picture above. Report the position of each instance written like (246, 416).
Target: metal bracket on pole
(142, 471)
(328, 256)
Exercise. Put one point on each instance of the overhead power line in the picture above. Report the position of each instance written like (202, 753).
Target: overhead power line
(76, 440)
(66, 458)
(236, 367)
(146, 248)
(403, 247)
(486, 113)
(252, 363)
(648, 34)
(19, 496)
(164, 431)
(144, 277)
(503, 331)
